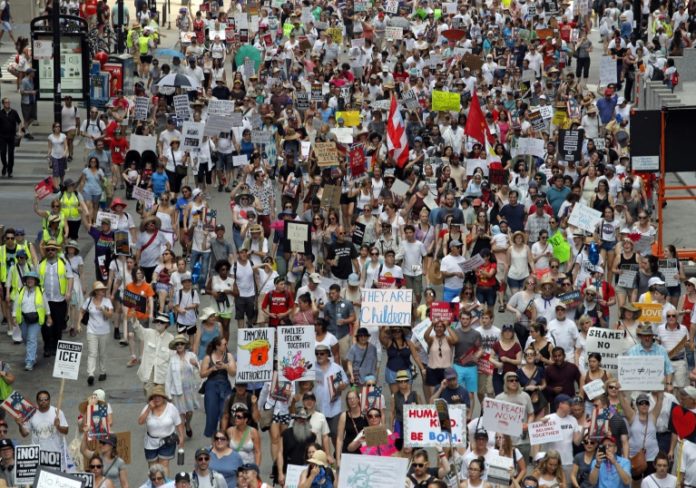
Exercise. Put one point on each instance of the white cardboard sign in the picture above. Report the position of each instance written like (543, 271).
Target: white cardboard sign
(67, 363)
(504, 417)
(544, 432)
(641, 373)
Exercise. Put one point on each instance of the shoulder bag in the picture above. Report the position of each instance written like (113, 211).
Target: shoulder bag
(638, 462)
(85, 315)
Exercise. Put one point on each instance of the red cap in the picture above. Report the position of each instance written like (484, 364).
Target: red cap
(609, 438)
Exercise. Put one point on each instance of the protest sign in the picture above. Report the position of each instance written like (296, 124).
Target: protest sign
(607, 70)
(645, 163)
(499, 470)
(394, 33)
(410, 100)
(102, 215)
(344, 135)
(326, 153)
(358, 160)
(372, 471)
(544, 432)
(134, 300)
(67, 363)
(650, 312)
(474, 262)
(26, 463)
(571, 299)
(44, 188)
(350, 118)
(240, 160)
(53, 478)
(141, 107)
(450, 8)
(400, 188)
(422, 426)
(546, 111)
(472, 164)
(418, 331)
(261, 136)
(641, 373)
(182, 107)
(358, 234)
(216, 125)
(50, 459)
(296, 357)
(293, 474)
(220, 107)
(123, 445)
(627, 276)
(570, 147)
(535, 118)
(610, 344)
(144, 196)
(532, 146)
(192, 133)
(446, 311)
(255, 354)
(594, 388)
(296, 231)
(141, 144)
(301, 100)
(584, 217)
(669, 269)
(87, 479)
(376, 436)
(503, 417)
(644, 244)
(18, 407)
(330, 197)
(391, 6)
(121, 243)
(97, 421)
(445, 101)
(473, 62)
(386, 307)
(316, 93)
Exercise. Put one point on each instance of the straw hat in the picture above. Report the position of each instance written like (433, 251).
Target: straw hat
(179, 339)
(98, 285)
(73, 244)
(147, 220)
(51, 245)
(157, 390)
(319, 458)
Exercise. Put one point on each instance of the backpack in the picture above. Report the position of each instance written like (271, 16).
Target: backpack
(675, 79)
(657, 75)
(181, 291)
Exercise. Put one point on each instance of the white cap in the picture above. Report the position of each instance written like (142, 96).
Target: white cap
(196, 192)
(655, 281)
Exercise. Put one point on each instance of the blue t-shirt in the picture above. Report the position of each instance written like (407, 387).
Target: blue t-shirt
(609, 476)
(159, 183)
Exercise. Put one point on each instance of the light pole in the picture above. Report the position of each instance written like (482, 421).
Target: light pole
(55, 25)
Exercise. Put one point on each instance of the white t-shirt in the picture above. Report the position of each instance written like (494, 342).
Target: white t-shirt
(68, 115)
(652, 481)
(470, 456)
(564, 334)
(569, 426)
(244, 276)
(188, 298)
(413, 253)
(98, 324)
(451, 264)
(159, 427)
(44, 433)
(57, 145)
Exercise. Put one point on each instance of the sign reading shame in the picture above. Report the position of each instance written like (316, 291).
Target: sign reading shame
(387, 307)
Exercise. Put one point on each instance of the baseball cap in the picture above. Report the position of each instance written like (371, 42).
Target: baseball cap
(183, 476)
(315, 278)
(200, 451)
(6, 443)
(562, 398)
(690, 391)
(655, 281)
(450, 373)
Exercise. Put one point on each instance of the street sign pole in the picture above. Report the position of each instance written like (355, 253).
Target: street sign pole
(55, 25)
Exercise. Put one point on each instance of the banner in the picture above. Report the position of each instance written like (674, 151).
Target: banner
(610, 344)
(503, 417)
(544, 432)
(387, 307)
(584, 217)
(67, 363)
(350, 118)
(255, 354)
(641, 373)
(358, 471)
(326, 153)
(446, 101)
(422, 426)
(296, 358)
(26, 464)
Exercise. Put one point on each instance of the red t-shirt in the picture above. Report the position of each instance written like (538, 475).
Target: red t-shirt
(277, 302)
(510, 353)
(119, 148)
(490, 282)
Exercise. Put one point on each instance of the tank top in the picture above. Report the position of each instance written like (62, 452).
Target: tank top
(440, 354)
(623, 261)
(398, 359)
(688, 306)
(219, 375)
(354, 425)
(363, 200)
(636, 431)
(604, 378)
(519, 268)
(600, 204)
(166, 220)
(588, 188)
(245, 446)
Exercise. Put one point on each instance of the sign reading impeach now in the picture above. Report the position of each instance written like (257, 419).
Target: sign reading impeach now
(386, 307)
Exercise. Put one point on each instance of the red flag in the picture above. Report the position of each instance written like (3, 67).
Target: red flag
(476, 123)
(44, 188)
(397, 143)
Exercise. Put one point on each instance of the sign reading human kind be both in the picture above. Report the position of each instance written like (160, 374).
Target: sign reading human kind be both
(386, 307)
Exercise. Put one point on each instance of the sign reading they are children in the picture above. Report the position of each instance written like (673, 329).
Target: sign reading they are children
(386, 307)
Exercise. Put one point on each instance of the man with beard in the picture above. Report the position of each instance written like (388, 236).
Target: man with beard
(295, 441)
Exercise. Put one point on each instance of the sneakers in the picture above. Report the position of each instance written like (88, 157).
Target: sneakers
(29, 367)
(132, 362)
(117, 334)
(90, 380)
(29, 136)
(102, 377)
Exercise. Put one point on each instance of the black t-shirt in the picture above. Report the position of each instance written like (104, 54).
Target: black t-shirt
(344, 253)
(294, 451)
(9, 121)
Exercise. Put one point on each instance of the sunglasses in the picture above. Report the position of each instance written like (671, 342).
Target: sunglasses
(203, 458)
(322, 353)
(240, 416)
(671, 315)
(589, 443)
(417, 465)
(157, 478)
(374, 416)
(554, 267)
(612, 387)
(513, 380)
(220, 438)
(95, 466)
(643, 402)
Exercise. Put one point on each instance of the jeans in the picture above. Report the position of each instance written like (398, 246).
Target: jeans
(30, 336)
(204, 258)
(7, 149)
(237, 237)
(216, 392)
(96, 351)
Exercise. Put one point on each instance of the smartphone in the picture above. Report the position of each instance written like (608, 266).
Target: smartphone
(602, 449)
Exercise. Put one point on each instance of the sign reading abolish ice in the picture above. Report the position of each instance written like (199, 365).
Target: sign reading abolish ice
(610, 344)
(296, 356)
(387, 307)
(422, 426)
(503, 417)
(255, 354)
(67, 364)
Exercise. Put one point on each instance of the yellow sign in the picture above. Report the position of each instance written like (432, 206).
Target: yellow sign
(560, 118)
(650, 312)
(350, 119)
(444, 101)
(336, 34)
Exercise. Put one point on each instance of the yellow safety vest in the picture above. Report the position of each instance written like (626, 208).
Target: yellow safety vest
(62, 280)
(58, 238)
(15, 281)
(143, 45)
(38, 302)
(70, 206)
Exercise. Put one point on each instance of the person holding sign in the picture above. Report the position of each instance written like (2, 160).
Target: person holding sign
(647, 347)
(48, 426)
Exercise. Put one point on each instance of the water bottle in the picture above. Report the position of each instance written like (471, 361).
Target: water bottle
(180, 457)
(196, 273)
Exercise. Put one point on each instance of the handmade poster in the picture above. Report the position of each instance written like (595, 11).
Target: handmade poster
(499, 470)
(532, 146)
(472, 164)
(503, 417)
(546, 111)
(350, 118)
(44, 188)
(102, 215)
(26, 463)
(376, 436)
(336, 34)
(330, 197)
(67, 363)
(645, 163)
(216, 125)
(641, 373)
(643, 244)
(326, 153)
(418, 331)
(18, 407)
(391, 6)
(220, 107)
(87, 479)
(134, 300)
(570, 145)
(594, 388)
(446, 101)
(298, 232)
(261, 136)
(544, 432)
(362, 471)
(628, 275)
(584, 217)
(192, 133)
(607, 70)
(292, 476)
(386, 307)
(296, 358)
(471, 264)
(141, 107)
(669, 269)
(535, 118)
(650, 312)
(53, 478)
(98, 425)
(123, 445)
(182, 107)
(344, 135)
(422, 426)
(255, 354)
(610, 344)
(400, 188)
(144, 196)
(393, 33)
(447, 312)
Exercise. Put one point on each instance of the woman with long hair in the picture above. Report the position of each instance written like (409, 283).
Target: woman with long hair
(608, 234)
(550, 470)
(218, 365)
(350, 423)
(161, 279)
(441, 340)
(521, 262)
(96, 467)
(114, 468)
(359, 444)
(507, 356)
(475, 472)
(244, 439)
(90, 184)
(625, 258)
(521, 304)
(505, 448)
(679, 276)
(532, 381)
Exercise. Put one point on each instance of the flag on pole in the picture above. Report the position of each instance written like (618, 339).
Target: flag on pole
(476, 123)
(397, 143)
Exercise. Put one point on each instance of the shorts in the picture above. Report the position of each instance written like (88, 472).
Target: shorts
(58, 167)
(245, 307)
(415, 283)
(146, 58)
(486, 294)
(70, 134)
(674, 291)
(282, 418)
(608, 246)
(390, 376)
(165, 451)
(344, 344)
(485, 384)
(6, 26)
(467, 376)
(28, 111)
(517, 284)
(434, 376)
(345, 200)
(91, 198)
(186, 329)
(162, 287)
(224, 162)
